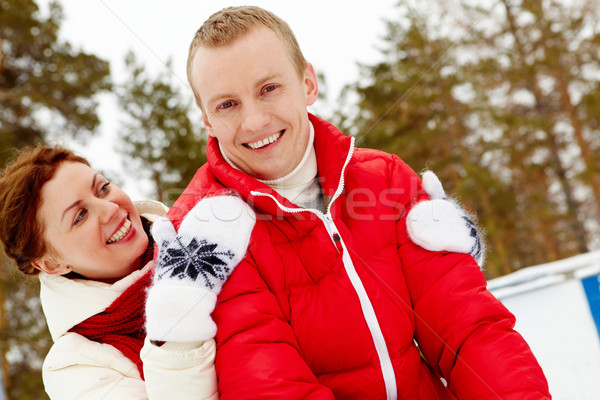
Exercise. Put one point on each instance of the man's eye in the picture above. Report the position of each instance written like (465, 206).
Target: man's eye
(225, 105)
(270, 88)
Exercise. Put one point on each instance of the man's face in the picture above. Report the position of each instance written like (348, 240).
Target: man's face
(254, 102)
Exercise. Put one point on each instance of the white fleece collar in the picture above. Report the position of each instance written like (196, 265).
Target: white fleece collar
(67, 302)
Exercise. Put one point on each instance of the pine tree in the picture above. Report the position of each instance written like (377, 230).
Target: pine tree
(410, 107)
(45, 85)
(500, 102)
(159, 135)
(24, 337)
(533, 63)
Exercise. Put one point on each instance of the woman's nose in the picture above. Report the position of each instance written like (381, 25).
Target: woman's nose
(107, 210)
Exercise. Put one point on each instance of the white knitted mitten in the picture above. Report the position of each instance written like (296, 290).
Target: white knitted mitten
(440, 224)
(192, 266)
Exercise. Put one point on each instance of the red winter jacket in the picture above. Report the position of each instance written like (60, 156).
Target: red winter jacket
(331, 305)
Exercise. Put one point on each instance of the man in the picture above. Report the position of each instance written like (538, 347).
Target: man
(333, 299)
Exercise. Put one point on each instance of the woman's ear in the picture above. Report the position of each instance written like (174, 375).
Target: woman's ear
(51, 267)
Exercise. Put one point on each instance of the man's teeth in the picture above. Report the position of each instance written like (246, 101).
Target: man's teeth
(120, 234)
(262, 143)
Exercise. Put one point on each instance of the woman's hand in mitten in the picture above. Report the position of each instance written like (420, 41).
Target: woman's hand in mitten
(440, 224)
(192, 266)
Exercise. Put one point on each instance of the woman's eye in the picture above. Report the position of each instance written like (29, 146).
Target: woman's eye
(104, 189)
(270, 88)
(80, 216)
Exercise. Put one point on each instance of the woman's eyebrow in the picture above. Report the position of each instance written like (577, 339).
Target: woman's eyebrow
(77, 202)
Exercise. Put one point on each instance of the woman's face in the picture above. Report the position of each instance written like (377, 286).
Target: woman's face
(91, 226)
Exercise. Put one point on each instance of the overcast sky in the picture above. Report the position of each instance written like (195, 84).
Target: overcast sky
(334, 36)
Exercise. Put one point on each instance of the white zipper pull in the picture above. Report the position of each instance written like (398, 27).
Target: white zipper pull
(334, 234)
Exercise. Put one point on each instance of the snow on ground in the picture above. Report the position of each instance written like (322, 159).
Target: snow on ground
(555, 315)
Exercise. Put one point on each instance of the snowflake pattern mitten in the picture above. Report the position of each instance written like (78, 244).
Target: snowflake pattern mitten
(192, 266)
(440, 224)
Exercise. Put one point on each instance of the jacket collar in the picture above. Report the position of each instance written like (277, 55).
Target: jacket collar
(67, 302)
(331, 146)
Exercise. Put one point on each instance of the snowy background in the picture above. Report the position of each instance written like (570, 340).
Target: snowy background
(552, 308)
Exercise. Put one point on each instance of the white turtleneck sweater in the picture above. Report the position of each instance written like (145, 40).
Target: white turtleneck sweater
(300, 186)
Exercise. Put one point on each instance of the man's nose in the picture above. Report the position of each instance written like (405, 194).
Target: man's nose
(255, 116)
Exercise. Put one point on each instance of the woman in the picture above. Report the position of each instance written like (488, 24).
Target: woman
(122, 329)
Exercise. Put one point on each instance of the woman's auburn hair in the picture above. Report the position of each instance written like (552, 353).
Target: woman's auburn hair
(21, 182)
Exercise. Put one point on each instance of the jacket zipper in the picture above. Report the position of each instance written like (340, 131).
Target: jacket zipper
(387, 368)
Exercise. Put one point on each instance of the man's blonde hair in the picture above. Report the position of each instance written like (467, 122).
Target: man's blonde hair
(225, 26)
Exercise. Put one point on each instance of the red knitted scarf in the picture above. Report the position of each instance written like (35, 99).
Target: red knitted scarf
(122, 324)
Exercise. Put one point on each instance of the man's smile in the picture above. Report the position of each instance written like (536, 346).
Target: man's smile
(264, 142)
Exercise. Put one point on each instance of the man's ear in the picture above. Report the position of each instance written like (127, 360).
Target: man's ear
(312, 84)
(207, 125)
(51, 267)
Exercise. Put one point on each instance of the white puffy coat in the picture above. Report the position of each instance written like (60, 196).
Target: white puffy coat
(77, 368)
